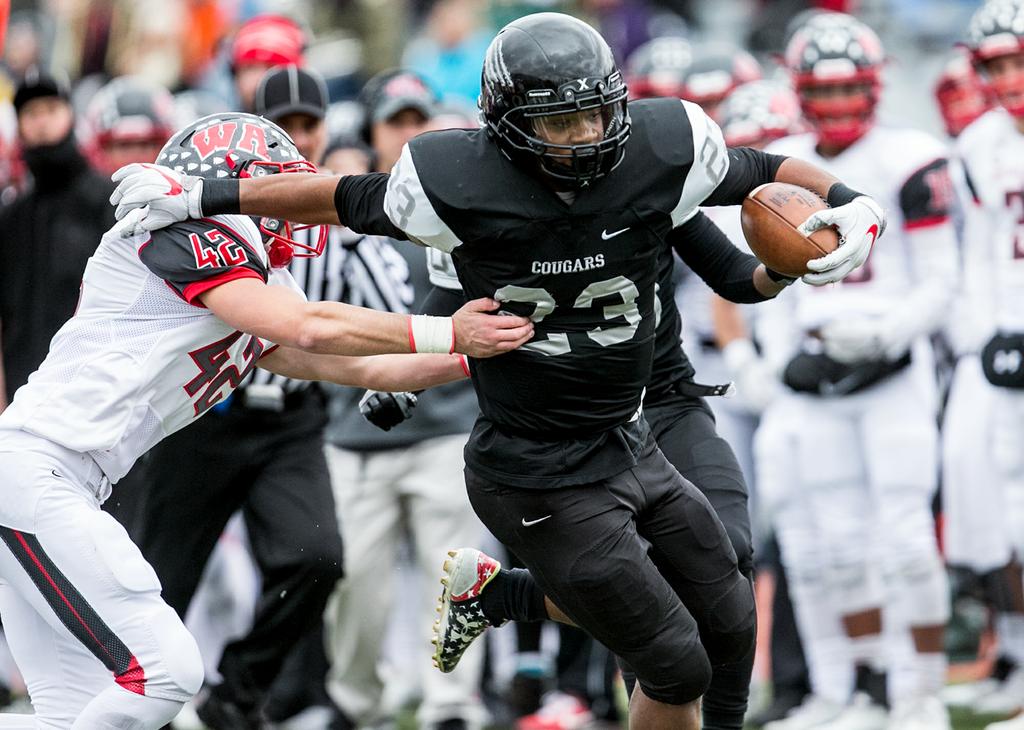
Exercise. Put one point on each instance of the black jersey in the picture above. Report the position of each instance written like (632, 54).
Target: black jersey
(584, 268)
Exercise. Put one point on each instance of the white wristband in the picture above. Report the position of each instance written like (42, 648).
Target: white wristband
(431, 334)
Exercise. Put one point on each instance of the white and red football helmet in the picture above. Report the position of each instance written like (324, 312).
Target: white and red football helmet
(759, 112)
(703, 74)
(997, 30)
(836, 63)
(238, 145)
(128, 120)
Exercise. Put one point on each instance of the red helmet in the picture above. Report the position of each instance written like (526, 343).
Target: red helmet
(997, 29)
(961, 94)
(237, 145)
(274, 40)
(836, 50)
(759, 112)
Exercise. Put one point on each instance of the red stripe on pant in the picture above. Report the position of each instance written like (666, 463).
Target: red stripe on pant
(74, 611)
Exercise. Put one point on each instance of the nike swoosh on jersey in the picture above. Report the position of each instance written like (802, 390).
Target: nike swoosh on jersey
(529, 523)
(605, 235)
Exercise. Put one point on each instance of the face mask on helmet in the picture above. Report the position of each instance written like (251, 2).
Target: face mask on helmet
(836, 63)
(995, 40)
(553, 99)
(236, 145)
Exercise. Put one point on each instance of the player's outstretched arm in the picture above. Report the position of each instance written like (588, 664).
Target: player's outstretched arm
(379, 372)
(281, 316)
(165, 196)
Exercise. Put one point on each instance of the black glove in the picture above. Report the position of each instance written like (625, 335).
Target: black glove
(386, 410)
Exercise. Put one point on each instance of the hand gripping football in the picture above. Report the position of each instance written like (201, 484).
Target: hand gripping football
(770, 217)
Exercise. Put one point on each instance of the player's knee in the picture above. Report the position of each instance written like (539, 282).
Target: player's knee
(730, 626)
(741, 545)
(182, 663)
(676, 674)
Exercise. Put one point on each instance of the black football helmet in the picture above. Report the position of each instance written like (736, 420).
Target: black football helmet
(544, 69)
(239, 145)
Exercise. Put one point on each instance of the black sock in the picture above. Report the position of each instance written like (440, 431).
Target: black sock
(513, 595)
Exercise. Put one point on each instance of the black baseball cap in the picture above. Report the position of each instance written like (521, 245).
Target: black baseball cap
(37, 84)
(291, 90)
(390, 92)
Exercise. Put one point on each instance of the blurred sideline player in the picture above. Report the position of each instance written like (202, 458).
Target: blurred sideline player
(704, 74)
(128, 120)
(847, 453)
(991, 150)
(168, 324)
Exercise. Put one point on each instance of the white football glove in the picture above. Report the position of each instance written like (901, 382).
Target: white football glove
(164, 196)
(859, 222)
(756, 382)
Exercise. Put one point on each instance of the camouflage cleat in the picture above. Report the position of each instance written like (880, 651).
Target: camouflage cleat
(466, 572)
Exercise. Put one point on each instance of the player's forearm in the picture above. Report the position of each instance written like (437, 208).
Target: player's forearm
(394, 373)
(804, 174)
(331, 328)
(381, 372)
(300, 197)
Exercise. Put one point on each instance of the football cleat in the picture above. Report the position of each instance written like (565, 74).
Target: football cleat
(466, 573)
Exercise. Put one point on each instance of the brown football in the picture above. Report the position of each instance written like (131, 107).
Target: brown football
(770, 217)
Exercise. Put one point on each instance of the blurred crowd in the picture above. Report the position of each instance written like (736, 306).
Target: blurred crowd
(304, 543)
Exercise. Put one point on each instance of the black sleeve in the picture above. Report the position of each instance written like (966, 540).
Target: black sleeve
(441, 302)
(359, 200)
(728, 271)
(748, 168)
(196, 255)
(927, 195)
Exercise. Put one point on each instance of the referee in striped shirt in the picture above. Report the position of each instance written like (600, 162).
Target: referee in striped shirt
(262, 453)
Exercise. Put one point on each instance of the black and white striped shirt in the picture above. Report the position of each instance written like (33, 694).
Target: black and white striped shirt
(365, 271)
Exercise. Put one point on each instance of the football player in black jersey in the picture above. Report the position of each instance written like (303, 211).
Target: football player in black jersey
(560, 208)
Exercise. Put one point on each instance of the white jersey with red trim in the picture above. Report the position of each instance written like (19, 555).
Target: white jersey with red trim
(992, 152)
(141, 357)
(906, 172)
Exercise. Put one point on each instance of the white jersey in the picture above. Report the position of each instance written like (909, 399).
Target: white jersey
(141, 357)
(992, 151)
(906, 172)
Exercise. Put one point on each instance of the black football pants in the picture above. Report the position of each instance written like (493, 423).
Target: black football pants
(684, 428)
(640, 561)
(272, 467)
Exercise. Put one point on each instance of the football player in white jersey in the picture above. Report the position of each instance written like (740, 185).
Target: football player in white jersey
(752, 115)
(991, 150)
(847, 452)
(167, 326)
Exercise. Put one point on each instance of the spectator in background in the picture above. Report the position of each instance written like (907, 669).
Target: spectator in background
(451, 51)
(260, 44)
(128, 120)
(405, 482)
(348, 157)
(48, 233)
(274, 472)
